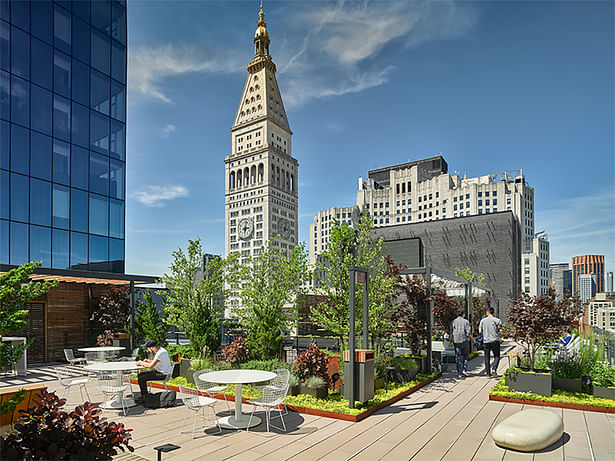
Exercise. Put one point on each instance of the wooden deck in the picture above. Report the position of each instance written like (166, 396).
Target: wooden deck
(451, 419)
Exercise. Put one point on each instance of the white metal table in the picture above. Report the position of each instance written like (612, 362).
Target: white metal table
(237, 377)
(101, 350)
(120, 368)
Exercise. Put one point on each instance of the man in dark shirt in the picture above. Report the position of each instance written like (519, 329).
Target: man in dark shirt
(461, 334)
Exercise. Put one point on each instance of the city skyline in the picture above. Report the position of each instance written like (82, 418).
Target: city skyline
(468, 80)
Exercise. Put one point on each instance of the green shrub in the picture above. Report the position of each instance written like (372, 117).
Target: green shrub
(266, 365)
(568, 367)
(405, 362)
(312, 362)
(603, 375)
(237, 352)
(315, 382)
(293, 380)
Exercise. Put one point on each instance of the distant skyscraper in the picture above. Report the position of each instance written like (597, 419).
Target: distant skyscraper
(561, 279)
(588, 264)
(609, 282)
(62, 133)
(536, 265)
(587, 287)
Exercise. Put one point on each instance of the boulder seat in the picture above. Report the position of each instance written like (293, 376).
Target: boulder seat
(529, 430)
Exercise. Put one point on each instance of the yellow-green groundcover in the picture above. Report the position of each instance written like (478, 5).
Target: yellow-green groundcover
(334, 403)
(502, 390)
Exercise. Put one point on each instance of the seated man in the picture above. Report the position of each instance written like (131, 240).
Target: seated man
(156, 369)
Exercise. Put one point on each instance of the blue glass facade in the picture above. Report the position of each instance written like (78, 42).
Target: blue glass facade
(62, 133)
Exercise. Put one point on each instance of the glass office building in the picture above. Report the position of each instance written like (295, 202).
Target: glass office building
(62, 138)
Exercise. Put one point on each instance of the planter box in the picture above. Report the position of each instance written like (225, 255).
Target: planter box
(185, 370)
(544, 403)
(318, 392)
(568, 385)
(537, 383)
(31, 397)
(604, 392)
(294, 390)
(402, 376)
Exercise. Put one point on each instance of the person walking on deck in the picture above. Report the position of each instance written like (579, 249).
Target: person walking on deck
(460, 335)
(489, 326)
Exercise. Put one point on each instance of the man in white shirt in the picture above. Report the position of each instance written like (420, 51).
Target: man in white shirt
(156, 369)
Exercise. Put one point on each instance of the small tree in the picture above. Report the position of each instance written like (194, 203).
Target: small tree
(445, 309)
(16, 289)
(411, 312)
(113, 312)
(149, 322)
(353, 247)
(535, 321)
(269, 281)
(194, 301)
(479, 305)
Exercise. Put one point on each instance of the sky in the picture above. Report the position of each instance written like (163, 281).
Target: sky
(490, 85)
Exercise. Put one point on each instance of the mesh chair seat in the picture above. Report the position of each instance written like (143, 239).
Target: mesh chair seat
(271, 399)
(211, 389)
(113, 384)
(70, 357)
(67, 379)
(196, 402)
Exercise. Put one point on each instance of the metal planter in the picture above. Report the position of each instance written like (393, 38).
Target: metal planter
(537, 383)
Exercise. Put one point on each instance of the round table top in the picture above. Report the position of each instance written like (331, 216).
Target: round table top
(237, 376)
(101, 348)
(113, 366)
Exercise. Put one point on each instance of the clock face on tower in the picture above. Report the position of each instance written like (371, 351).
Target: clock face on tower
(246, 228)
(284, 227)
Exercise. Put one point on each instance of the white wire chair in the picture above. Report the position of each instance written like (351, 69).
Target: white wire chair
(271, 399)
(211, 389)
(280, 380)
(163, 381)
(196, 402)
(67, 379)
(112, 384)
(92, 357)
(70, 357)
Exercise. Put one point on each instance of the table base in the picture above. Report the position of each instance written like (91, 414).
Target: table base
(117, 404)
(229, 422)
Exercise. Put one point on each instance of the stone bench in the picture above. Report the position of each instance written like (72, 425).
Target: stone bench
(529, 430)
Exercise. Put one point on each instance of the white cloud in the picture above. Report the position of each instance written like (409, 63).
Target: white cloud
(148, 68)
(155, 196)
(327, 50)
(343, 50)
(168, 130)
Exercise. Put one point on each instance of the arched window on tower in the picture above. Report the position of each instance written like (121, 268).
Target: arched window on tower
(292, 183)
(278, 176)
(231, 180)
(239, 183)
(261, 171)
(253, 174)
(246, 176)
(287, 185)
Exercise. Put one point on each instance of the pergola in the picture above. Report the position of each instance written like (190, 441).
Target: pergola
(455, 286)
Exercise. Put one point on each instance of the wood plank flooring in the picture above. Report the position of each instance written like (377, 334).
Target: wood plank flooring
(450, 420)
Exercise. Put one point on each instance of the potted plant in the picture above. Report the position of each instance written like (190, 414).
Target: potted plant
(316, 387)
(603, 380)
(294, 385)
(113, 314)
(237, 352)
(535, 322)
(567, 373)
(405, 368)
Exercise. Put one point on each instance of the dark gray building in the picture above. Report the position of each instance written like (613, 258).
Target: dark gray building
(487, 244)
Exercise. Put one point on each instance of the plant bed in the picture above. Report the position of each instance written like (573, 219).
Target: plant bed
(568, 385)
(317, 392)
(558, 399)
(537, 381)
(333, 407)
(604, 392)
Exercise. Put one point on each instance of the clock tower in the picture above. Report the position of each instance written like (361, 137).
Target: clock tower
(261, 173)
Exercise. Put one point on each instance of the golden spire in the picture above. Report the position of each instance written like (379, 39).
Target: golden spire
(261, 16)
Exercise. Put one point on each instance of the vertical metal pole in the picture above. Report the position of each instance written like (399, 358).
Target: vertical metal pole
(469, 301)
(429, 318)
(351, 338)
(365, 312)
(132, 315)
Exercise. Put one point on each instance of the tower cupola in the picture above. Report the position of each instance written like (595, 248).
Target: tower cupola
(261, 36)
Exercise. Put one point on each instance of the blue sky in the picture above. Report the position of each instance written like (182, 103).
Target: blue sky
(493, 86)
